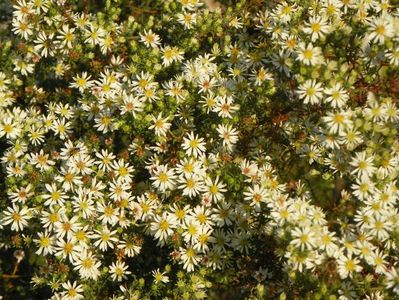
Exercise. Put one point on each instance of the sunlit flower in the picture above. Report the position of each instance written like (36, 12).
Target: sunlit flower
(309, 55)
(193, 145)
(161, 125)
(118, 270)
(310, 91)
(72, 291)
(17, 217)
(159, 277)
(164, 178)
(381, 28)
(150, 39)
(87, 265)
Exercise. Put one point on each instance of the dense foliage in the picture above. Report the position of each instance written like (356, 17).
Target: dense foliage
(179, 149)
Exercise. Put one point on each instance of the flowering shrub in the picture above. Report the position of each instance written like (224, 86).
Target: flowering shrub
(174, 150)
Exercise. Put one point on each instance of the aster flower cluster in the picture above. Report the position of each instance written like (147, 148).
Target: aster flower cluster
(174, 149)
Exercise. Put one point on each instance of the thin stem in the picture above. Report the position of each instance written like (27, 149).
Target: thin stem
(15, 268)
(144, 10)
(9, 276)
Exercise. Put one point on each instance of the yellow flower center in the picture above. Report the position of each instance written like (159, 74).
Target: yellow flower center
(45, 241)
(123, 171)
(190, 252)
(194, 143)
(180, 214)
(87, 263)
(16, 217)
(108, 211)
(380, 29)
(364, 187)
(308, 54)
(190, 183)
(163, 177)
(80, 235)
(213, 189)
(81, 82)
(326, 239)
(350, 265)
(310, 91)
(188, 167)
(72, 292)
(7, 128)
(379, 225)
(304, 238)
(192, 230)
(68, 247)
(164, 225)
(118, 272)
(56, 195)
(105, 237)
(339, 119)
(202, 218)
(316, 27)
